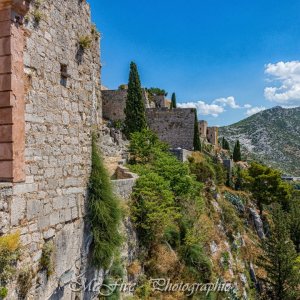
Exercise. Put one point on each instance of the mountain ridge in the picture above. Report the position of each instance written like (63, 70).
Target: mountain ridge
(271, 136)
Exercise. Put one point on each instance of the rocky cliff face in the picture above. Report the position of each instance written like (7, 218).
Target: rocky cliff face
(272, 136)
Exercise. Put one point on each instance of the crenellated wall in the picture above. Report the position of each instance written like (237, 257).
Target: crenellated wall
(55, 107)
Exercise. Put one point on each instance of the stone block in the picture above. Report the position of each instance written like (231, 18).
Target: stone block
(43, 222)
(5, 15)
(6, 151)
(5, 133)
(5, 46)
(6, 170)
(34, 208)
(23, 188)
(5, 115)
(5, 64)
(5, 28)
(5, 99)
(49, 234)
(54, 218)
(18, 206)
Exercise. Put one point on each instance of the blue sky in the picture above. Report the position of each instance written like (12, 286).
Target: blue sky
(219, 56)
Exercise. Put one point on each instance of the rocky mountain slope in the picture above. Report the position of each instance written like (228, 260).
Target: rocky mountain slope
(272, 136)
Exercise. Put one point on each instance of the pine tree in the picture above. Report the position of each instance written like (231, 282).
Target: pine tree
(173, 101)
(135, 117)
(197, 142)
(279, 259)
(237, 152)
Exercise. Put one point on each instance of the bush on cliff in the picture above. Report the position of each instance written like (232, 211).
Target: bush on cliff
(166, 187)
(104, 213)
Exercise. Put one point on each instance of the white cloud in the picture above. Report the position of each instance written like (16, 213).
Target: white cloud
(254, 110)
(229, 101)
(247, 106)
(288, 76)
(204, 108)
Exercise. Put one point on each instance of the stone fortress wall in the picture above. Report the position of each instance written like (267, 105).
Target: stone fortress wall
(173, 126)
(114, 102)
(209, 134)
(53, 108)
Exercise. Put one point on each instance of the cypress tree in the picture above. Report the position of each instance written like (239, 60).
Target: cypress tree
(173, 101)
(135, 117)
(197, 143)
(237, 152)
(227, 147)
(279, 259)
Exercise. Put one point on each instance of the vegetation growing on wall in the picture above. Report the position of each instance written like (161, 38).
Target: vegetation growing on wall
(24, 282)
(104, 213)
(9, 254)
(85, 42)
(46, 262)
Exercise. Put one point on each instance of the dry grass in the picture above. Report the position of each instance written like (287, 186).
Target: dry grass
(10, 242)
(164, 261)
(134, 268)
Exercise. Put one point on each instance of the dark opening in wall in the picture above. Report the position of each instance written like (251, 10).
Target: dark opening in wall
(64, 75)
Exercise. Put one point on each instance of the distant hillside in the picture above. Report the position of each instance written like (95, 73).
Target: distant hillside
(272, 136)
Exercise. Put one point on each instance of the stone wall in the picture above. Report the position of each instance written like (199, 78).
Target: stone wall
(181, 154)
(124, 182)
(212, 135)
(203, 128)
(60, 112)
(175, 126)
(114, 103)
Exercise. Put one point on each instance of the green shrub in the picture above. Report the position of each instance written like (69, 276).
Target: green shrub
(166, 187)
(46, 262)
(24, 282)
(197, 261)
(37, 16)
(94, 32)
(85, 42)
(104, 213)
(9, 254)
(144, 146)
(153, 208)
(204, 171)
(144, 288)
(231, 221)
(3, 292)
(225, 260)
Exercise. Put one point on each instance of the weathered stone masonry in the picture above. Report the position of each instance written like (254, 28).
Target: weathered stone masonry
(50, 203)
(173, 126)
